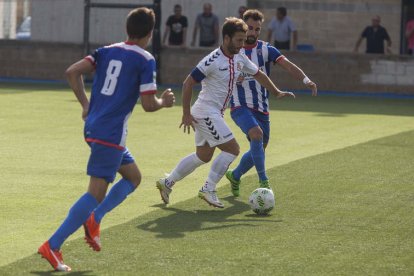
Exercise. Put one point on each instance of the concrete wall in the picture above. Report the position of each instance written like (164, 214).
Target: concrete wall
(332, 25)
(346, 72)
(37, 60)
(331, 71)
(335, 25)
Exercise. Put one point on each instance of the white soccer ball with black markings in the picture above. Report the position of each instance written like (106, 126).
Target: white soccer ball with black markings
(262, 201)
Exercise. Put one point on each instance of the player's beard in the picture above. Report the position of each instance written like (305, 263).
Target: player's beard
(232, 49)
(251, 39)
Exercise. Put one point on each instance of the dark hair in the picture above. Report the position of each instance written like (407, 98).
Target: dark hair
(233, 25)
(140, 22)
(177, 6)
(282, 11)
(256, 15)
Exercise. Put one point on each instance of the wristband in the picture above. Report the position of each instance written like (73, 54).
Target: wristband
(306, 80)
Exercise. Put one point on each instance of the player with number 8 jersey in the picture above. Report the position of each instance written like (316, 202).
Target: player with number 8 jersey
(124, 72)
(114, 95)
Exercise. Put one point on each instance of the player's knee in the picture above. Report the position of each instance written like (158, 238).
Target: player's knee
(135, 179)
(205, 158)
(255, 133)
(235, 149)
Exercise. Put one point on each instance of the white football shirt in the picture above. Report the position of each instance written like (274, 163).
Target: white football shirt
(218, 74)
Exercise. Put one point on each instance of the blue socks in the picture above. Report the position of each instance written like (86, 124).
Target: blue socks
(87, 204)
(254, 157)
(116, 195)
(246, 163)
(78, 214)
(258, 156)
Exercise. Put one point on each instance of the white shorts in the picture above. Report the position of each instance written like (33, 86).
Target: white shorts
(212, 130)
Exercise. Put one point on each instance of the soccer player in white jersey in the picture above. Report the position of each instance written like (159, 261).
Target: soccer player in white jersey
(218, 73)
(250, 101)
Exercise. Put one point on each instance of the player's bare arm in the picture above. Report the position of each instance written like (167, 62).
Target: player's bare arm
(151, 102)
(265, 81)
(188, 120)
(298, 74)
(74, 76)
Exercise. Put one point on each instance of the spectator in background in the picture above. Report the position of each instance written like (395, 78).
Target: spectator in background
(242, 9)
(280, 30)
(176, 28)
(208, 24)
(375, 35)
(409, 34)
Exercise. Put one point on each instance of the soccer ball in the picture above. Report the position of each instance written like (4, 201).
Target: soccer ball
(262, 201)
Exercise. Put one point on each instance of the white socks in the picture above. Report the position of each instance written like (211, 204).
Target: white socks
(218, 169)
(186, 166)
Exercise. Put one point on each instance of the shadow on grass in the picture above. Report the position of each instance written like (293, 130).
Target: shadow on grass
(75, 273)
(178, 223)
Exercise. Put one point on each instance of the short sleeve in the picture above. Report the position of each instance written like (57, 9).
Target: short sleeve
(216, 20)
(93, 58)
(197, 22)
(149, 78)
(248, 66)
(185, 22)
(204, 67)
(365, 32)
(197, 75)
(274, 54)
(169, 22)
(292, 26)
(386, 36)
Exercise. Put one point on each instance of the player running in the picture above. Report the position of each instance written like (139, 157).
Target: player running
(250, 101)
(218, 73)
(124, 72)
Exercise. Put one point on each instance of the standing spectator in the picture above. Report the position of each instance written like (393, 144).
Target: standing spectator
(409, 34)
(280, 30)
(176, 28)
(208, 24)
(375, 35)
(242, 9)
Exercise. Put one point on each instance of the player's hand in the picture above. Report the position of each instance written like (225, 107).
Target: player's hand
(311, 85)
(168, 98)
(285, 94)
(188, 122)
(85, 111)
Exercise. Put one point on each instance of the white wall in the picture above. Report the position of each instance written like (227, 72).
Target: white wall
(7, 19)
(62, 20)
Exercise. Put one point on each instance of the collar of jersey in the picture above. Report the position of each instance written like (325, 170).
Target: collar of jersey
(221, 49)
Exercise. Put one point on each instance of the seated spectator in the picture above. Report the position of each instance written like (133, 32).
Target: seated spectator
(280, 30)
(176, 28)
(375, 35)
(409, 34)
(208, 24)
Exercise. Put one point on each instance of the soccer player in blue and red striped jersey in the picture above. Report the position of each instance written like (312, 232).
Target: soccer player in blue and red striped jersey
(250, 102)
(124, 72)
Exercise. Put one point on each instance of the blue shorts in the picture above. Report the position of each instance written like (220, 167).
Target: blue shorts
(104, 161)
(247, 119)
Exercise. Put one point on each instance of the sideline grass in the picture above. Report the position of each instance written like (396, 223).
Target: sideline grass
(346, 212)
(43, 156)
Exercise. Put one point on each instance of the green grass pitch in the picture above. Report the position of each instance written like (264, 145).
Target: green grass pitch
(341, 169)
